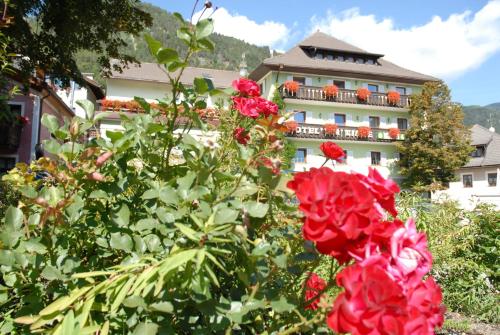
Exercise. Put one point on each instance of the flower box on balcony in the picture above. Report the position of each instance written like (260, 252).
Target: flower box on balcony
(292, 86)
(363, 132)
(331, 128)
(330, 91)
(291, 126)
(394, 133)
(393, 98)
(363, 94)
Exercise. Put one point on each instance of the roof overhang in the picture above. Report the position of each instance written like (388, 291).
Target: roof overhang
(360, 53)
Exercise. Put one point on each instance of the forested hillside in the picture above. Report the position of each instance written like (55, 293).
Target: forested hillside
(227, 55)
(486, 116)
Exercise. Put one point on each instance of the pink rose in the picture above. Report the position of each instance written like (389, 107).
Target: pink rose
(246, 87)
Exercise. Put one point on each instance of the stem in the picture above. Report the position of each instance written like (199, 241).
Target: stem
(327, 159)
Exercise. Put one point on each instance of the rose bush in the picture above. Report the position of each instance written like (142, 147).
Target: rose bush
(151, 230)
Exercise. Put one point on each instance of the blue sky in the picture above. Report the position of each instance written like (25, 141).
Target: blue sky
(456, 40)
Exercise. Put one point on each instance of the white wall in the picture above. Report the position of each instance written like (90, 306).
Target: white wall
(122, 89)
(480, 192)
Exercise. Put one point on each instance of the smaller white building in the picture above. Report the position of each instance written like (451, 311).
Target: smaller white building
(90, 90)
(477, 181)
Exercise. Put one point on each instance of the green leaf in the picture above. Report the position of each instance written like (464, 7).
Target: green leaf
(52, 146)
(256, 209)
(14, 217)
(179, 17)
(246, 189)
(164, 307)
(7, 257)
(153, 243)
(121, 242)
(169, 196)
(153, 44)
(134, 302)
(166, 56)
(51, 273)
(88, 107)
(114, 135)
(201, 85)
(122, 217)
(184, 34)
(143, 103)
(207, 44)
(204, 28)
(35, 246)
(282, 305)
(50, 122)
(98, 194)
(190, 233)
(146, 329)
(225, 215)
(178, 259)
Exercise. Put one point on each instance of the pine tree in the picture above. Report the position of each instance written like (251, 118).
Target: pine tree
(437, 142)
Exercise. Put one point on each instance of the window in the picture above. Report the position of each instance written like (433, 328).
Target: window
(492, 179)
(16, 108)
(402, 124)
(300, 80)
(373, 88)
(319, 55)
(375, 155)
(329, 57)
(467, 180)
(401, 90)
(300, 117)
(360, 60)
(6, 164)
(339, 83)
(370, 62)
(340, 58)
(350, 59)
(479, 152)
(300, 155)
(374, 122)
(340, 119)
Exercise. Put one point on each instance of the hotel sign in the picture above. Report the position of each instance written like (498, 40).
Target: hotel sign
(342, 133)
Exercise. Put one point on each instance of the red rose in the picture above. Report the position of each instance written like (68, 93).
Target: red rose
(240, 134)
(314, 285)
(246, 87)
(273, 164)
(383, 189)
(254, 107)
(425, 308)
(332, 151)
(372, 303)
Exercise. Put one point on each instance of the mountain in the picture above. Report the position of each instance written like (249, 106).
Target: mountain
(486, 116)
(227, 54)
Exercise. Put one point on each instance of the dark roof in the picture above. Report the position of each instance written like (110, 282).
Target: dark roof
(94, 87)
(156, 73)
(491, 141)
(296, 59)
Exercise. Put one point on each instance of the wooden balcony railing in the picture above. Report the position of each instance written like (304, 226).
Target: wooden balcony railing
(346, 133)
(343, 96)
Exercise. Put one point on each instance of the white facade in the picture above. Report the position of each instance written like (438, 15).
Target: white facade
(482, 190)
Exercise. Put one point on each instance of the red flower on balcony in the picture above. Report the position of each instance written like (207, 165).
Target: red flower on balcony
(292, 86)
(394, 133)
(23, 120)
(393, 98)
(363, 131)
(330, 128)
(291, 126)
(363, 93)
(330, 91)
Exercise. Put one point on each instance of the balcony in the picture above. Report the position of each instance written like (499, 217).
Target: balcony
(343, 96)
(343, 133)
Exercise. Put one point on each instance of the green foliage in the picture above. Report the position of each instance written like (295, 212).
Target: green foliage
(50, 33)
(226, 54)
(486, 116)
(465, 247)
(153, 231)
(8, 197)
(437, 142)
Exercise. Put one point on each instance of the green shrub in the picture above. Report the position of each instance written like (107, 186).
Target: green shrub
(8, 197)
(465, 246)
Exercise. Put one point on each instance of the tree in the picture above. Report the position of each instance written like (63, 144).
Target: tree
(48, 33)
(437, 142)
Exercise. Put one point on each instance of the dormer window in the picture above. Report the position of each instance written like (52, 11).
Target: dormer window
(319, 55)
(329, 57)
(479, 152)
(340, 58)
(350, 59)
(370, 61)
(360, 60)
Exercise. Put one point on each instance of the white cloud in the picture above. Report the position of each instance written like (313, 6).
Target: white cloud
(268, 33)
(441, 47)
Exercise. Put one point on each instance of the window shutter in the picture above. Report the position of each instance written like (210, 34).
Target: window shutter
(366, 120)
(329, 82)
(369, 157)
(309, 117)
(347, 85)
(289, 78)
(383, 159)
(383, 123)
(350, 157)
(381, 88)
(348, 121)
(309, 154)
(332, 117)
(309, 81)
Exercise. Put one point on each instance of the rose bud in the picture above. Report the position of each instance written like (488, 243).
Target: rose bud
(95, 176)
(103, 158)
(41, 202)
(208, 4)
(74, 128)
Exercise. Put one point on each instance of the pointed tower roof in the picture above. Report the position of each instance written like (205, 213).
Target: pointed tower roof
(300, 59)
